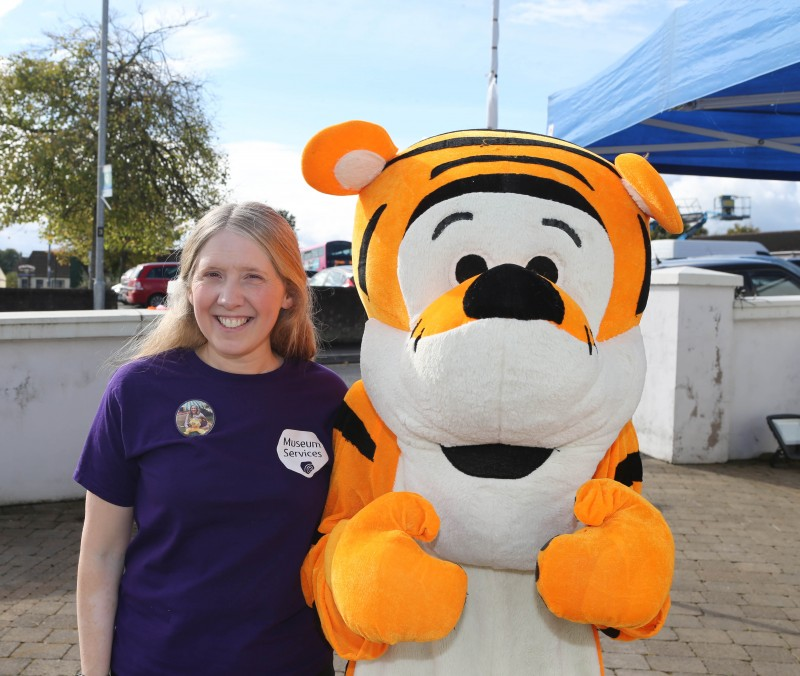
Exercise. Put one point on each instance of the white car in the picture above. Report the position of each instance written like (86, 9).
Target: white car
(338, 275)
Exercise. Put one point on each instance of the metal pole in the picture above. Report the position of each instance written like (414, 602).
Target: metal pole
(491, 122)
(99, 276)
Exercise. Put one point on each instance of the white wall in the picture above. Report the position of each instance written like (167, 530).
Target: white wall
(717, 366)
(766, 352)
(52, 375)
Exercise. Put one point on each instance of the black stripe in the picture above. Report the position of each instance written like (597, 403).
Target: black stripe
(524, 159)
(483, 140)
(611, 632)
(522, 184)
(630, 469)
(364, 249)
(644, 292)
(352, 429)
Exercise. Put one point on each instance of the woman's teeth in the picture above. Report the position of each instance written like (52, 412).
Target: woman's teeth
(232, 322)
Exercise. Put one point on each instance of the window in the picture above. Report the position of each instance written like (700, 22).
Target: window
(773, 283)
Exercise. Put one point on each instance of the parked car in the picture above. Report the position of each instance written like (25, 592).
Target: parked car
(338, 275)
(763, 275)
(146, 284)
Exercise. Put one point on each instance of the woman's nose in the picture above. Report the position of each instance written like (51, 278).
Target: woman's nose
(230, 295)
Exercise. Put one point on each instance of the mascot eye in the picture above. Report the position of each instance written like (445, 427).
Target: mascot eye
(470, 266)
(544, 267)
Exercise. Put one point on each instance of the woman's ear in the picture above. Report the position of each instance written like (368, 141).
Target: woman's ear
(287, 302)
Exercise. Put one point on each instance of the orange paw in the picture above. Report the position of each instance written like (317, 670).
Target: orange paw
(386, 588)
(615, 572)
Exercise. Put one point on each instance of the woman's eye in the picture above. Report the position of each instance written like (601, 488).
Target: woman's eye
(543, 266)
(470, 266)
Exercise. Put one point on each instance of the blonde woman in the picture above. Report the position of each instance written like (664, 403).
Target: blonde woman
(209, 583)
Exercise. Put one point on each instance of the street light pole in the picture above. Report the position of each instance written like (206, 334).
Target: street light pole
(491, 99)
(99, 275)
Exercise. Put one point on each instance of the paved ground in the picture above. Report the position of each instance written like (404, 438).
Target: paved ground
(736, 595)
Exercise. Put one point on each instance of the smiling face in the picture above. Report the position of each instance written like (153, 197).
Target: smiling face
(237, 296)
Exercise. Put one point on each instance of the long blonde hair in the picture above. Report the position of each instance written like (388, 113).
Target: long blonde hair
(293, 335)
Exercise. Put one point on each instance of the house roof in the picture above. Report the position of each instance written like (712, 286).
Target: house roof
(38, 259)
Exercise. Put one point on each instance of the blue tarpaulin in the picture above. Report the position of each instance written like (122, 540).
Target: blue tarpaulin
(715, 91)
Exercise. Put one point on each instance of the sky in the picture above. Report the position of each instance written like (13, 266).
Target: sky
(278, 71)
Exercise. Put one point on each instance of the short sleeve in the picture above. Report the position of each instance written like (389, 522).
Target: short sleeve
(103, 468)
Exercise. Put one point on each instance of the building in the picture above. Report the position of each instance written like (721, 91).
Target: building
(41, 270)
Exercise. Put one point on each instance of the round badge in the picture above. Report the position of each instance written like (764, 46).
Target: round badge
(194, 418)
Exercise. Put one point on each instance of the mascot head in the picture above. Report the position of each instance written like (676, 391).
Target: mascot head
(579, 198)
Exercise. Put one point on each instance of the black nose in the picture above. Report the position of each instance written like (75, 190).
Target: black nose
(511, 292)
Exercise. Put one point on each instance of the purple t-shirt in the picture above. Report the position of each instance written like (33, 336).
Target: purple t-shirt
(228, 475)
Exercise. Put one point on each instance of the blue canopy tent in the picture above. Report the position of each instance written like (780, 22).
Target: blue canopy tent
(714, 92)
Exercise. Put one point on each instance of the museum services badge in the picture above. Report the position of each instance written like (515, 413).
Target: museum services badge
(302, 452)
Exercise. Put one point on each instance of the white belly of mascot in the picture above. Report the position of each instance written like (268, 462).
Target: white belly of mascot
(485, 513)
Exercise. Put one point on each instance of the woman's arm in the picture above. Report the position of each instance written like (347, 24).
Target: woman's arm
(106, 534)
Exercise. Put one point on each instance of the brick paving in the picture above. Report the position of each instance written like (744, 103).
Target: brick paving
(736, 595)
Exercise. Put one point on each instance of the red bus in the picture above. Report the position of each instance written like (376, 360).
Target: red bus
(335, 252)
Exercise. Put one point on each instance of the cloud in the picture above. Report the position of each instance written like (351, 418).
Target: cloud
(611, 23)
(773, 205)
(24, 237)
(571, 13)
(202, 46)
(270, 172)
(7, 6)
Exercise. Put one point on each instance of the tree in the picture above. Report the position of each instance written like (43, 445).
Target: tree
(9, 259)
(740, 229)
(166, 168)
(289, 216)
(657, 232)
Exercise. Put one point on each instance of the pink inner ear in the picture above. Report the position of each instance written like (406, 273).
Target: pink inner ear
(636, 197)
(358, 168)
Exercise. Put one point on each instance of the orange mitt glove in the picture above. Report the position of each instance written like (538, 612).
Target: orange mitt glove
(385, 587)
(616, 572)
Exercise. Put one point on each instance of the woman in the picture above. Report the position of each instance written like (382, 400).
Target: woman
(210, 582)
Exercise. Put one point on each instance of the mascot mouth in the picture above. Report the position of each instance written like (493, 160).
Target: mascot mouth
(496, 461)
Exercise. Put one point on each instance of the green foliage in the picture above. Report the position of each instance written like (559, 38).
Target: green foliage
(289, 216)
(657, 232)
(167, 170)
(739, 229)
(9, 259)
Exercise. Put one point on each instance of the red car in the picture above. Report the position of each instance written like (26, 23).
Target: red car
(146, 284)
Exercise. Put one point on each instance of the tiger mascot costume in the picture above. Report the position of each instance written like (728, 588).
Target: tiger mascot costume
(485, 514)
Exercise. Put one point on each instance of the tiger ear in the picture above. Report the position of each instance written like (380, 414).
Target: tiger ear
(344, 158)
(645, 185)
